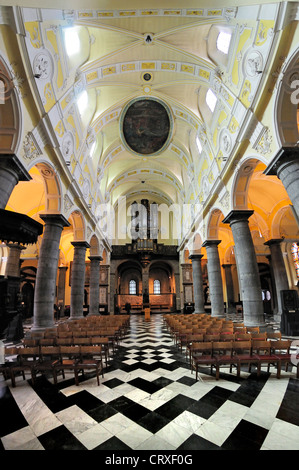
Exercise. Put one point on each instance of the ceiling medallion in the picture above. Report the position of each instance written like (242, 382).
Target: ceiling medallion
(146, 126)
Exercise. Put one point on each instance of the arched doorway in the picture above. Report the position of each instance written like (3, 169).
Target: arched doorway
(162, 289)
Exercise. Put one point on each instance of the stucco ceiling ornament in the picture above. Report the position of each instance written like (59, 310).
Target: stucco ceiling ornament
(42, 66)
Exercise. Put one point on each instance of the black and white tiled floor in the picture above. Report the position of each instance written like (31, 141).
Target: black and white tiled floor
(149, 400)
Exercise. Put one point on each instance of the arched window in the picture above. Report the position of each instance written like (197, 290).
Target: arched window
(223, 42)
(211, 100)
(157, 286)
(295, 254)
(132, 287)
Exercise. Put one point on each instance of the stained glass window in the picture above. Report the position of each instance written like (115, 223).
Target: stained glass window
(295, 254)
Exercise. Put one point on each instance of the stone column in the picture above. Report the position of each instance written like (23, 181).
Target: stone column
(279, 271)
(11, 172)
(229, 288)
(285, 166)
(45, 286)
(94, 284)
(215, 278)
(13, 262)
(249, 278)
(199, 300)
(78, 279)
(61, 287)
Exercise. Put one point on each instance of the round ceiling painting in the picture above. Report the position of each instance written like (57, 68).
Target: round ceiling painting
(146, 126)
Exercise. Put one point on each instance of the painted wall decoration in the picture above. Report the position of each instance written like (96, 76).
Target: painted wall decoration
(146, 126)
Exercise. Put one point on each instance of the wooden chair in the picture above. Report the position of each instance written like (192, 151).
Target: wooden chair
(262, 349)
(281, 349)
(26, 361)
(193, 338)
(223, 355)
(90, 359)
(104, 343)
(242, 354)
(202, 355)
(49, 358)
(69, 356)
(10, 358)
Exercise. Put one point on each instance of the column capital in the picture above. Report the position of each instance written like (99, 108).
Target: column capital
(55, 219)
(211, 243)
(274, 241)
(195, 256)
(237, 216)
(95, 258)
(80, 244)
(10, 162)
(285, 156)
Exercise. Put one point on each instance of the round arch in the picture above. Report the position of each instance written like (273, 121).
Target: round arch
(287, 104)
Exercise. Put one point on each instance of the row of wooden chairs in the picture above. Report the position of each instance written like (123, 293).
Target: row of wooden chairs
(238, 353)
(102, 341)
(53, 360)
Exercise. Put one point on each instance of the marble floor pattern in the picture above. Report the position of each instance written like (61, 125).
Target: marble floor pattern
(149, 400)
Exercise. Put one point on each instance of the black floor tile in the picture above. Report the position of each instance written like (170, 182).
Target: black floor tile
(135, 412)
(113, 383)
(246, 436)
(12, 418)
(195, 442)
(113, 444)
(145, 385)
(102, 412)
(153, 422)
(60, 439)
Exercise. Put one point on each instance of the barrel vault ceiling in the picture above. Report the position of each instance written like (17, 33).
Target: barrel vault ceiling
(118, 53)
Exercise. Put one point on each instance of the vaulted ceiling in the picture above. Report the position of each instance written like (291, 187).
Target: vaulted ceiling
(89, 62)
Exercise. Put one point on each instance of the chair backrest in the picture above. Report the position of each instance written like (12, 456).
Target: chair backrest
(274, 335)
(243, 336)
(47, 341)
(258, 336)
(252, 329)
(195, 337)
(69, 350)
(208, 338)
(49, 351)
(79, 341)
(32, 352)
(283, 345)
(261, 345)
(222, 347)
(90, 350)
(64, 341)
(202, 346)
(240, 347)
(227, 337)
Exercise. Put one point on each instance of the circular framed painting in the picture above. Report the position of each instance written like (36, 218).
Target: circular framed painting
(146, 126)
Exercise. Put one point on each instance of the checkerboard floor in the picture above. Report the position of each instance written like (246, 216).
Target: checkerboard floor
(149, 400)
